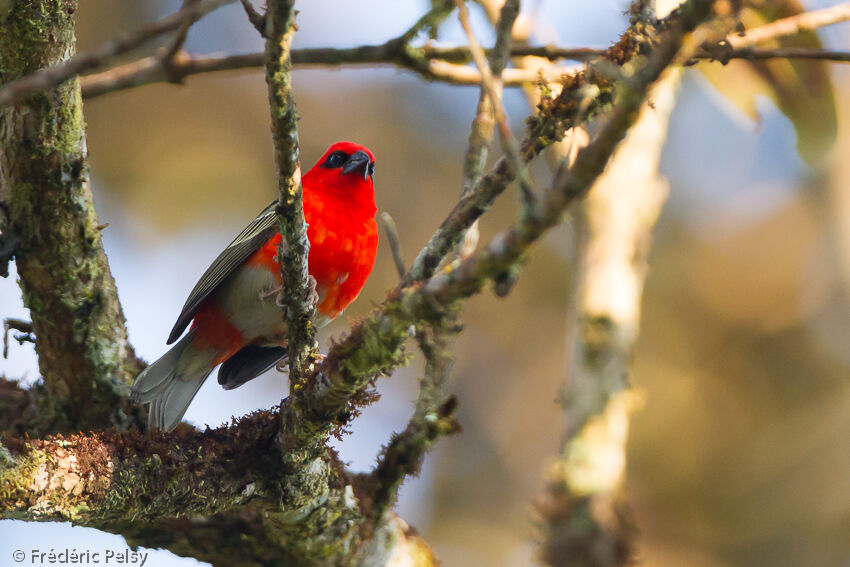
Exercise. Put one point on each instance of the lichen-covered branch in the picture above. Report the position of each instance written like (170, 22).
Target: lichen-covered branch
(492, 87)
(213, 495)
(60, 71)
(294, 246)
(404, 454)
(101, 478)
(219, 496)
(84, 357)
(433, 416)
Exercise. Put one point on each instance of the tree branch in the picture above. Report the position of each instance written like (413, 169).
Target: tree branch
(755, 54)
(294, 247)
(214, 495)
(54, 75)
(493, 91)
(390, 229)
(806, 21)
(431, 62)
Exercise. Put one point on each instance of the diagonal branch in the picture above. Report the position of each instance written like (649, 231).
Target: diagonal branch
(804, 22)
(434, 413)
(96, 58)
(493, 89)
(375, 345)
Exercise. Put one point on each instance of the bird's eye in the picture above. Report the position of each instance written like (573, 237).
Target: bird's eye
(336, 159)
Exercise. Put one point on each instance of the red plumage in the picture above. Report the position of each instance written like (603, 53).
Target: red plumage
(234, 315)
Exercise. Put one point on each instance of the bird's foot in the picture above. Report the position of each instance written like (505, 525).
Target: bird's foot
(312, 295)
(264, 295)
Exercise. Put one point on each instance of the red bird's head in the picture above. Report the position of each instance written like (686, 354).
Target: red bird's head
(344, 173)
(343, 164)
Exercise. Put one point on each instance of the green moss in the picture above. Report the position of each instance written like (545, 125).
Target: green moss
(17, 475)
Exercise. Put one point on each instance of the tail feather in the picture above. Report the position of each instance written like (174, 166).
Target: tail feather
(170, 383)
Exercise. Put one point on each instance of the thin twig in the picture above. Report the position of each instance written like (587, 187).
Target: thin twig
(807, 21)
(551, 52)
(169, 54)
(404, 454)
(493, 89)
(20, 325)
(149, 70)
(100, 56)
(181, 35)
(756, 54)
(390, 229)
(257, 19)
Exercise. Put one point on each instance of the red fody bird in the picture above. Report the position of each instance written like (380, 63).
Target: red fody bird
(234, 308)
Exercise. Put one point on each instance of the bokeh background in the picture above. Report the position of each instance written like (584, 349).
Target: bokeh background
(741, 453)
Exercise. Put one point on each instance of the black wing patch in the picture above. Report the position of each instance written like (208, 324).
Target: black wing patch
(246, 243)
(247, 364)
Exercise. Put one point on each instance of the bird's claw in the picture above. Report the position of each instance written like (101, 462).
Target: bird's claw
(312, 295)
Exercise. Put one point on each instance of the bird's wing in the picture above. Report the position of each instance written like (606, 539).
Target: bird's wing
(246, 243)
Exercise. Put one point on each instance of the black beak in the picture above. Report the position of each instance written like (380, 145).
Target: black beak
(359, 162)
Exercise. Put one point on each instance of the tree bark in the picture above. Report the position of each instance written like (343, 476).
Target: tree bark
(220, 496)
(84, 357)
(588, 522)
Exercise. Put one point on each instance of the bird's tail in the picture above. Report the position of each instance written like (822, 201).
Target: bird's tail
(170, 383)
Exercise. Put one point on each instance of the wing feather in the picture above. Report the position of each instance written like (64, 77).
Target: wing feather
(243, 246)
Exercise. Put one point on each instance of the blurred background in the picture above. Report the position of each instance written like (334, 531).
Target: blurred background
(741, 453)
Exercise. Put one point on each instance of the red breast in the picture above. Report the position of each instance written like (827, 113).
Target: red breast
(339, 208)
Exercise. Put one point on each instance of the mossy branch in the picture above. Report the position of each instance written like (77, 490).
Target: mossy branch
(215, 495)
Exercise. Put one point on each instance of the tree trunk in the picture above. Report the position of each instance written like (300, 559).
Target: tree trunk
(81, 340)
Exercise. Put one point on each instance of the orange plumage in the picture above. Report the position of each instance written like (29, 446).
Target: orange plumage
(235, 318)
